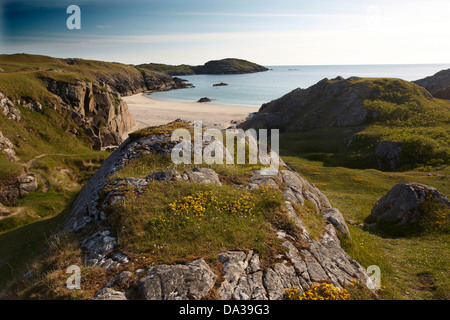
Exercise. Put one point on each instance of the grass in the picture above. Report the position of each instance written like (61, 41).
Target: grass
(411, 267)
(398, 111)
(45, 146)
(313, 221)
(179, 221)
(49, 275)
(169, 69)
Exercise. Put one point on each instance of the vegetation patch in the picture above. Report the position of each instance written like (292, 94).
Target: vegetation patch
(178, 221)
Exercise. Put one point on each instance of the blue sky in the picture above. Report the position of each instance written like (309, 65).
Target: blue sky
(282, 32)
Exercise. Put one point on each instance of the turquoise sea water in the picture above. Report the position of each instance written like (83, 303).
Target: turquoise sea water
(257, 88)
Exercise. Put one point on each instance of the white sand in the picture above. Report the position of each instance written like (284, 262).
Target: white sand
(151, 112)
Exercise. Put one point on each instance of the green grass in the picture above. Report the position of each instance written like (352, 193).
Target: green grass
(169, 69)
(179, 221)
(398, 111)
(411, 267)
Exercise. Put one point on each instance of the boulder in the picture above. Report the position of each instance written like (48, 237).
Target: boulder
(27, 183)
(203, 175)
(388, 155)
(400, 207)
(204, 99)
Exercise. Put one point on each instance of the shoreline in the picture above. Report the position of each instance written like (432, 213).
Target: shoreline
(147, 111)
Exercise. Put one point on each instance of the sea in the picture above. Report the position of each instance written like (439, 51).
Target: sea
(254, 89)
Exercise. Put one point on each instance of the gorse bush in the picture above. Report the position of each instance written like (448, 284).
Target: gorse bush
(322, 291)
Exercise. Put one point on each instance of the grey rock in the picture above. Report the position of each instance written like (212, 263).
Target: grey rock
(335, 217)
(109, 294)
(299, 189)
(243, 277)
(7, 147)
(120, 257)
(438, 84)
(388, 154)
(177, 282)
(166, 176)
(203, 175)
(278, 278)
(27, 183)
(34, 106)
(401, 205)
(136, 182)
(98, 246)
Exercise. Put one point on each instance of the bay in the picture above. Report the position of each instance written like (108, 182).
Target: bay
(254, 89)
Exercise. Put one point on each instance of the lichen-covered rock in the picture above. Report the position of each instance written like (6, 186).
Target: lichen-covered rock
(109, 294)
(27, 183)
(400, 207)
(203, 175)
(192, 281)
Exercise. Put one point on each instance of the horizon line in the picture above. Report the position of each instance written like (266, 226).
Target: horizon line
(264, 65)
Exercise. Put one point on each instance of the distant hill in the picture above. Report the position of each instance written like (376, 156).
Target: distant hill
(224, 66)
(362, 122)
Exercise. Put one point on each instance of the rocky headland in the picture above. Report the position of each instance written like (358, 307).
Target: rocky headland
(302, 260)
(224, 66)
(438, 84)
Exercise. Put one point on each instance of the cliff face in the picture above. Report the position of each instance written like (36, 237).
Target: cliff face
(96, 108)
(126, 84)
(89, 90)
(438, 84)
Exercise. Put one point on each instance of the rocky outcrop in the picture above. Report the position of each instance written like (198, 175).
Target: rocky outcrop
(7, 147)
(109, 294)
(7, 107)
(192, 281)
(128, 84)
(243, 277)
(204, 99)
(24, 184)
(224, 66)
(337, 102)
(438, 84)
(388, 155)
(229, 66)
(400, 208)
(96, 108)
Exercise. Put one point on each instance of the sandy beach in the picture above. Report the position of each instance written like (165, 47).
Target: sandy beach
(151, 112)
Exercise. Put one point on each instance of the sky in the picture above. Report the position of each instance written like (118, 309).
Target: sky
(276, 32)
